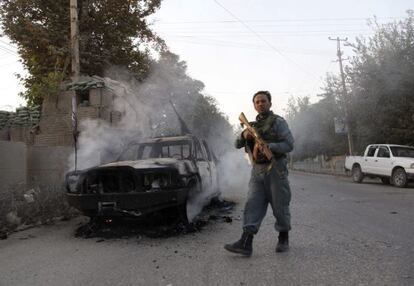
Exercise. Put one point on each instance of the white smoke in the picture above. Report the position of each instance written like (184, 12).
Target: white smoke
(146, 112)
(234, 169)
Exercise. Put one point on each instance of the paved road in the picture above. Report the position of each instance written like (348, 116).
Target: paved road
(343, 234)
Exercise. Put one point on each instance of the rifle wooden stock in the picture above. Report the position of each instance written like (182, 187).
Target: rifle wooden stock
(258, 140)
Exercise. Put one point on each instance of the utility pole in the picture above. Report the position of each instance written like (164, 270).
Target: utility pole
(74, 39)
(74, 51)
(345, 94)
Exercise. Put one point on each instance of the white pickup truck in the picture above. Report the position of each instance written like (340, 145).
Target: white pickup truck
(392, 163)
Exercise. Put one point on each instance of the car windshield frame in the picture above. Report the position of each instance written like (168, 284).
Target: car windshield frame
(184, 152)
(402, 152)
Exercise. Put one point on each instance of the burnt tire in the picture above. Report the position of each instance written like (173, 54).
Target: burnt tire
(173, 215)
(357, 175)
(385, 181)
(399, 178)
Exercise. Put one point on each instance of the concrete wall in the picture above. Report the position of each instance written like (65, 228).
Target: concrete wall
(13, 163)
(5, 134)
(47, 165)
(32, 165)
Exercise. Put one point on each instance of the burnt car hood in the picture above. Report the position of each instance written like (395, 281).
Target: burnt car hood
(183, 166)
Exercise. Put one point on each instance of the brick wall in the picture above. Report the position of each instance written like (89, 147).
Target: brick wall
(55, 126)
(21, 134)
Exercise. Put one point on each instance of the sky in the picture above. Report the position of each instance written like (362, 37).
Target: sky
(239, 47)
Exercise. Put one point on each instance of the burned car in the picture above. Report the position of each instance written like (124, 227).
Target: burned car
(149, 176)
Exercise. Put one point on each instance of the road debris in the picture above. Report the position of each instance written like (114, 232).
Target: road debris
(29, 196)
(218, 211)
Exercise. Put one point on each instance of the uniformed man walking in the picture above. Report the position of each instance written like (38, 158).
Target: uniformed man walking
(266, 185)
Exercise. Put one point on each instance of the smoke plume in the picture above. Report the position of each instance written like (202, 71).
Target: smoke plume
(146, 112)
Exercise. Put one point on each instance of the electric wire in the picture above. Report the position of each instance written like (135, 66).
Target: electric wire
(4, 46)
(264, 40)
(4, 49)
(279, 20)
(246, 46)
(234, 35)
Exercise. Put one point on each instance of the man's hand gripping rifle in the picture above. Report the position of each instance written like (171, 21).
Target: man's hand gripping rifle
(260, 144)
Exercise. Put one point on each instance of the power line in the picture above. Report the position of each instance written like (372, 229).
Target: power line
(239, 45)
(278, 21)
(5, 55)
(4, 42)
(7, 50)
(261, 38)
(218, 34)
(277, 26)
(303, 25)
(301, 31)
(280, 93)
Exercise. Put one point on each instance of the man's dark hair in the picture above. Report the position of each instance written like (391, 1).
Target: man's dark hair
(265, 92)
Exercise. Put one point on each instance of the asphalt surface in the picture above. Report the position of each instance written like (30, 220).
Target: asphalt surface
(343, 234)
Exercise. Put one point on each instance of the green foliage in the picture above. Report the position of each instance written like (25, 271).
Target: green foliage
(37, 89)
(380, 100)
(112, 32)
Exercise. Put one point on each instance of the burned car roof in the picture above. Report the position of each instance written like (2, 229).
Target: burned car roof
(168, 139)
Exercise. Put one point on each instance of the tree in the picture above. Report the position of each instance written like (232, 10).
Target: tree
(382, 82)
(168, 81)
(380, 101)
(112, 32)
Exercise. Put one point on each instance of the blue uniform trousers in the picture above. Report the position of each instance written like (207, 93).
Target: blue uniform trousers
(268, 187)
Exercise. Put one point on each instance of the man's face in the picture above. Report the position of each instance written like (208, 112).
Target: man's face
(262, 104)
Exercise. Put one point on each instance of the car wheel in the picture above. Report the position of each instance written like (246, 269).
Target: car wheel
(399, 178)
(385, 181)
(357, 175)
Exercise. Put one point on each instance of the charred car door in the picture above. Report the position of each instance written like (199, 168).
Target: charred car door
(203, 166)
(213, 167)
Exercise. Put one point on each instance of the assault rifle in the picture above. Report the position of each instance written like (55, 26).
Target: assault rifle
(262, 145)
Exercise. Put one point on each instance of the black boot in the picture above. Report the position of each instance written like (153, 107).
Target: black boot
(242, 246)
(283, 243)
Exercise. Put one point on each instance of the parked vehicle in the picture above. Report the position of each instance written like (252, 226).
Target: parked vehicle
(153, 175)
(392, 163)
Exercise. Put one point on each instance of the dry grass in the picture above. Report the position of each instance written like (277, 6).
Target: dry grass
(40, 205)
